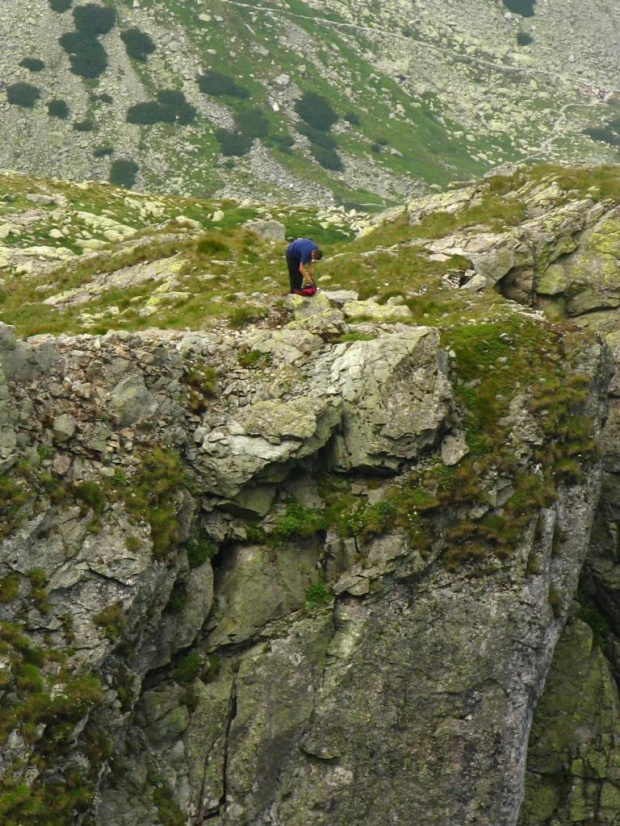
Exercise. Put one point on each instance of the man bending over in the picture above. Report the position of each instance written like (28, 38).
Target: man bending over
(300, 257)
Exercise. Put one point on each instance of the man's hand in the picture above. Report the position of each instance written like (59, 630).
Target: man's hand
(307, 273)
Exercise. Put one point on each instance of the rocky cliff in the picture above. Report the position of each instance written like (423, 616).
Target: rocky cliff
(313, 566)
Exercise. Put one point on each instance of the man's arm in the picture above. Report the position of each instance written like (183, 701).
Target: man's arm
(307, 271)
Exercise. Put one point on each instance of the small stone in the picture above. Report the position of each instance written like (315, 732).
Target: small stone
(62, 463)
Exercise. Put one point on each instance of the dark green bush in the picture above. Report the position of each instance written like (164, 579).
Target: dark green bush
(123, 173)
(84, 125)
(144, 113)
(174, 107)
(233, 143)
(252, 123)
(316, 136)
(33, 64)
(523, 7)
(103, 97)
(524, 39)
(103, 151)
(74, 42)
(328, 158)
(138, 44)
(88, 57)
(316, 111)
(57, 109)
(60, 5)
(93, 20)
(90, 64)
(170, 107)
(603, 135)
(215, 83)
(23, 94)
(283, 142)
(352, 118)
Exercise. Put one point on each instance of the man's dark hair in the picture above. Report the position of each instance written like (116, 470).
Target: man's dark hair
(317, 254)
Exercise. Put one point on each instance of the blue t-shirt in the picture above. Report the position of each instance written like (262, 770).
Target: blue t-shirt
(301, 249)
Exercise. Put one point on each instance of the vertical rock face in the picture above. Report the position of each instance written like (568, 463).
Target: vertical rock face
(411, 705)
(283, 596)
(575, 738)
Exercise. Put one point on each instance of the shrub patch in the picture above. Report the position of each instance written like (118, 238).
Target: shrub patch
(170, 107)
(123, 172)
(137, 44)
(57, 109)
(93, 20)
(215, 83)
(23, 94)
(33, 64)
(316, 111)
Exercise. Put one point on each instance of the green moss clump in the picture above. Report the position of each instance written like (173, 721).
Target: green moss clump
(45, 696)
(151, 496)
(111, 620)
(317, 595)
(167, 810)
(178, 598)
(372, 520)
(200, 380)
(60, 6)
(188, 667)
(12, 497)
(199, 551)
(38, 583)
(252, 359)
(298, 522)
(9, 588)
(92, 495)
(555, 601)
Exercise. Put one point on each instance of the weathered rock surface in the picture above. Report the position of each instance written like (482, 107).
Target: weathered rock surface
(306, 589)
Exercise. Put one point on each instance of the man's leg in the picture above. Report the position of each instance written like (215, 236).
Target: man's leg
(294, 274)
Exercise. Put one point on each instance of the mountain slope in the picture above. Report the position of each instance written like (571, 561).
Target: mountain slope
(420, 93)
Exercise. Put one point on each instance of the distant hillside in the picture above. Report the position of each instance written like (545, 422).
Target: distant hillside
(351, 101)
